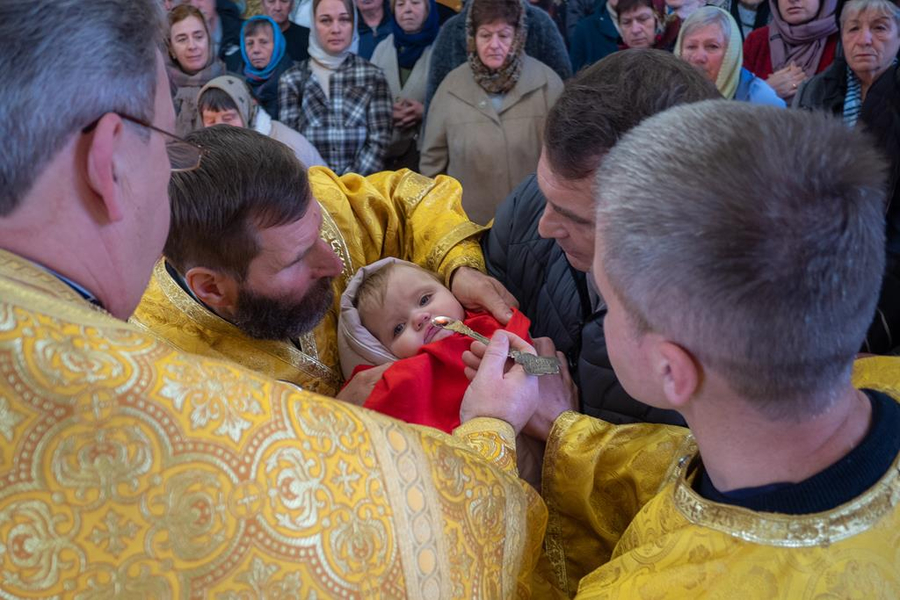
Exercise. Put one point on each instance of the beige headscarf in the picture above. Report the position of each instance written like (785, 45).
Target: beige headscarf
(238, 92)
(730, 71)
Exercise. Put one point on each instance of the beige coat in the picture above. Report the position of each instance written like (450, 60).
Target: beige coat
(488, 151)
(385, 57)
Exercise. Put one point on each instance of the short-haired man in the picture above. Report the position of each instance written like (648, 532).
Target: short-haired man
(738, 294)
(258, 250)
(131, 469)
(542, 241)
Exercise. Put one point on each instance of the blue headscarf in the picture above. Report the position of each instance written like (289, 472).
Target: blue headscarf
(253, 74)
(410, 46)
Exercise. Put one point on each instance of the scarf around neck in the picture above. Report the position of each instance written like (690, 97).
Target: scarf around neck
(505, 78)
(410, 46)
(317, 51)
(801, 44)
(278, 48)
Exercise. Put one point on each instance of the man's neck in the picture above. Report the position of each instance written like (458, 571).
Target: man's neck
(373, 16)
(742, 448)
(284, 26)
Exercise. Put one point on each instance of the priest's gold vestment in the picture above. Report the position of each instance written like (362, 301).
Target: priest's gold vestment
(400, 214)
(129, 469)
(624, 522)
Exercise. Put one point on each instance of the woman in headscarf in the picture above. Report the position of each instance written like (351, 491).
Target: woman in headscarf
(339, 101)
(798, 43)
(711, 41)
(192, 64)
(485, 124)
(405, 56)
(227, 100)
(263, 49)
(643, 25)
(863, 88)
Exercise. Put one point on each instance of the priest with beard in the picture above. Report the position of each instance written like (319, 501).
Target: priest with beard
(259, 248)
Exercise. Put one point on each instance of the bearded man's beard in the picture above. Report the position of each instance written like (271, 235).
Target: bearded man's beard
(267, 318)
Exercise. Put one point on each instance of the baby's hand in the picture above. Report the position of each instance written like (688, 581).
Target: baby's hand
(362, 384)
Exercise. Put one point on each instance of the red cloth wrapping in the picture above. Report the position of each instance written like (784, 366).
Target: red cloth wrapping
(427, 389)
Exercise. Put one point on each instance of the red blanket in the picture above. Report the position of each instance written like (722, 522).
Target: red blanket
(428, 388)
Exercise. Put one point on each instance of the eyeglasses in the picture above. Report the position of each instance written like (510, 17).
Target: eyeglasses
(183, 155)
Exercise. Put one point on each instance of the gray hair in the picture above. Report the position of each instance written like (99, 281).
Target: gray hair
(755, 240)
(707, 15)
(854, 8)
(68, 62)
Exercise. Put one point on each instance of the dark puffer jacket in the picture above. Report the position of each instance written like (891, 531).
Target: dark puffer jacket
(555, 297)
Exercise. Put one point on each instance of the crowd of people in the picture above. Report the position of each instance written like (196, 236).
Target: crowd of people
(364, 298)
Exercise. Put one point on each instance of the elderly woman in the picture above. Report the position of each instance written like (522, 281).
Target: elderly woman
(193, 64)
(642, 26)
(227, 100)
(863, 89)
(265, 57)
(485, 124)
(405, 56)
(711, 41)
(800, 42)
(339, 101)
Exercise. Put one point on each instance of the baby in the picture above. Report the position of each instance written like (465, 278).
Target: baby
(386, 314)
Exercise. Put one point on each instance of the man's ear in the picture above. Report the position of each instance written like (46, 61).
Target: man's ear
(106, 141)
(214, 288)
(679, 371)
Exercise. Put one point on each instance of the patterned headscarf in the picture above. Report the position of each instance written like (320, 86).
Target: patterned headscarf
(503, 79)
(239, 94)
(730, 72)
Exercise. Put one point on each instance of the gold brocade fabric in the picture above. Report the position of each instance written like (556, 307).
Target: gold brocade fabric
(131, 470)
(637, 529)
(400, 214)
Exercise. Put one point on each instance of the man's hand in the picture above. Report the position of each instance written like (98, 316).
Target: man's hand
(361, 385)
(510, 395)
(558, 393)
(475, 290)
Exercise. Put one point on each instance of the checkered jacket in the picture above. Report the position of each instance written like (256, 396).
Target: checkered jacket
(352, 128)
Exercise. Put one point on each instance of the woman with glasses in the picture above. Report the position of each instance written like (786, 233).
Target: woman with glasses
(192, 64)
(337, 100)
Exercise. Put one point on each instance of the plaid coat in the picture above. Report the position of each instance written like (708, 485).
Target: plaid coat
(351, 129)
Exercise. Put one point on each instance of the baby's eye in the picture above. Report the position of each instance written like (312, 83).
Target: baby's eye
(398, 329)
(424, 299)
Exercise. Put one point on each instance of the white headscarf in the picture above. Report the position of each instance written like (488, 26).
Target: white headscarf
(318, 53)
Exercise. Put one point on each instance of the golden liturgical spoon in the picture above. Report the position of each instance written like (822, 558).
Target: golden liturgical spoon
(533, 364)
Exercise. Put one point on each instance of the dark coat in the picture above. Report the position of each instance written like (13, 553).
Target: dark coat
(593, 38)
(880, 115)
(544, 42)
(296, 39)
(230, 45)
(555, 297)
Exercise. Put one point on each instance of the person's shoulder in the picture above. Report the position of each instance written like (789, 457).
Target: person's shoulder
(761, 92)
(757, 37)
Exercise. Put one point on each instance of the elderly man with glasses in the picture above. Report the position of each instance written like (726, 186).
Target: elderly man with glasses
(131, 469)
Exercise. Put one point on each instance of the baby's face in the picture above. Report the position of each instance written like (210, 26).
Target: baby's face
(412, 299)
